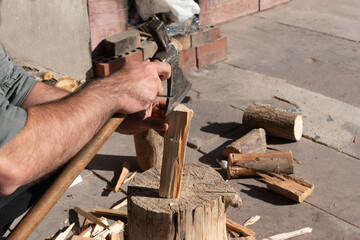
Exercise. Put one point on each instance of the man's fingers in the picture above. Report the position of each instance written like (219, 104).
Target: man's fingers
(163, 69)
(157, 124)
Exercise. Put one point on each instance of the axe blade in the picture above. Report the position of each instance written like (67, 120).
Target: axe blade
(177, 87)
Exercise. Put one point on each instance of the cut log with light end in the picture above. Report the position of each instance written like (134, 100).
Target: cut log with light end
(68, 84)
(291, 187)
(174, 151)
(249, 164)
(275, 122)
(253, 142)
(199, 213)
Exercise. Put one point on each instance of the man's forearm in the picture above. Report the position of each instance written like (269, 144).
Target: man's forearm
(53, 133)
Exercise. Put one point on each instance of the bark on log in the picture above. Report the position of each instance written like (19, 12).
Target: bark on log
(253, 142)
(198, 214)
(291, 187)
(149, 147)
(250, 164)
(174, 151)
(275, 122)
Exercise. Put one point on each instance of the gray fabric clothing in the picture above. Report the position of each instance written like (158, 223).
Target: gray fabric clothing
(15, 85)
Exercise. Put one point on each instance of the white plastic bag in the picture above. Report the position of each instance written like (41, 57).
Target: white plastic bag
(177, 10)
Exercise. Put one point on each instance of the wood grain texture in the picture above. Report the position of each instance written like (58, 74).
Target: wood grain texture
(252, 142)
(275, 122)
(249, 164)
(198, 214)
(174, 151)
(292, 187)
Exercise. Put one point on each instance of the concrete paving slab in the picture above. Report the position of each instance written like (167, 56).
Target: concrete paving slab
(307, 59)
(338, 18)
(326, 120)
(86, 195)
(353, 149)
(280, 215)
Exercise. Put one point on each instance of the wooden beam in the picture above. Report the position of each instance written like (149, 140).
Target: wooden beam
(250, 164)
(174, 151)
(291, 187)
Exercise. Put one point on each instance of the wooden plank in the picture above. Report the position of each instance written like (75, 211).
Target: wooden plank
(291, 187)
(237, 227)
(174, 151)
(90, 217)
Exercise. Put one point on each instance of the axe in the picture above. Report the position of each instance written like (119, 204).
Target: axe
(177, 88)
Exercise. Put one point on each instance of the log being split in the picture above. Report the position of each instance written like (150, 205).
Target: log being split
(149, 149)
(253, 142)
(174, 151)
(275, 122)
(250, 164)
(291, 187)
(199, 213)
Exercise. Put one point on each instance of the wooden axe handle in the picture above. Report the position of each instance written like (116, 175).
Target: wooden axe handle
(33, 218)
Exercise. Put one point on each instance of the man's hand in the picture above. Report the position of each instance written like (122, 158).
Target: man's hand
(153, 117)
(137, 85)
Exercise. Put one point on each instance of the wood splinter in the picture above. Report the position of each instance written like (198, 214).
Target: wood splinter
(175, 140)
(291, 187)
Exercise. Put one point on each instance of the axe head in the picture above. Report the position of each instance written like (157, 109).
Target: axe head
(177, 85)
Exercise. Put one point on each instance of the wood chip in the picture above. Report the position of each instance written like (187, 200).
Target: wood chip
(237, 227)
(47, 76)
(68, 84)
(288, 235)
(125, 170)
(120, 205)
(63, 235)
(297, 160)
(252, 220)
(90, 217)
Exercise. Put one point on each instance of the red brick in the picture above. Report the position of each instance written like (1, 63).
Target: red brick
(266, 4)
(214, 32)
(211, 53)
(214, 46)
(187, 60)
(104, 66)
(219, 11)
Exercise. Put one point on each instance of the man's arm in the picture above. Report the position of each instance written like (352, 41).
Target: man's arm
(54, 132)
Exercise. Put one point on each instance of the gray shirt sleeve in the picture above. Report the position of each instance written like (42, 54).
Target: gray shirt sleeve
(15, 85)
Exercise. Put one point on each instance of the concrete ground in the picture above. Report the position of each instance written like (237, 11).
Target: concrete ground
(303, 56)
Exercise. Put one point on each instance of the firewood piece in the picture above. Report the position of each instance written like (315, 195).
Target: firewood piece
(68, 84)
(233, 233)
(117, 227)
(291, 187)
(249, 164)
(130, 177)
(110, 212)
(81, 238)
(90, 217)
(47, 76)
(275, 122)
(86, 232)
(253, 142)
(174, 151)
(125, 170)
(114, 236)
(252, 220)
(63, 235)
(237, 227)
(149, 146)
(120, 205)
(283, 236)
(198, 214)
(246, 238)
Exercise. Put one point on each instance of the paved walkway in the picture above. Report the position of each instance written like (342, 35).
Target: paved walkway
(306, 52)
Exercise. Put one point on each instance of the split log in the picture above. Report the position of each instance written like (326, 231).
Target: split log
(250, 164)
(275, 122)
(149, 147)
(198, 214)
(110, 212)
(291, 187)
(174, 151)
(253, 142)
(237, 227)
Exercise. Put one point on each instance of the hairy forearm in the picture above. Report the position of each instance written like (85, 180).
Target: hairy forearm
(53, 133)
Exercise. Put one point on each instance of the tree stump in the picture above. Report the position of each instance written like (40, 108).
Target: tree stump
(199, 213)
